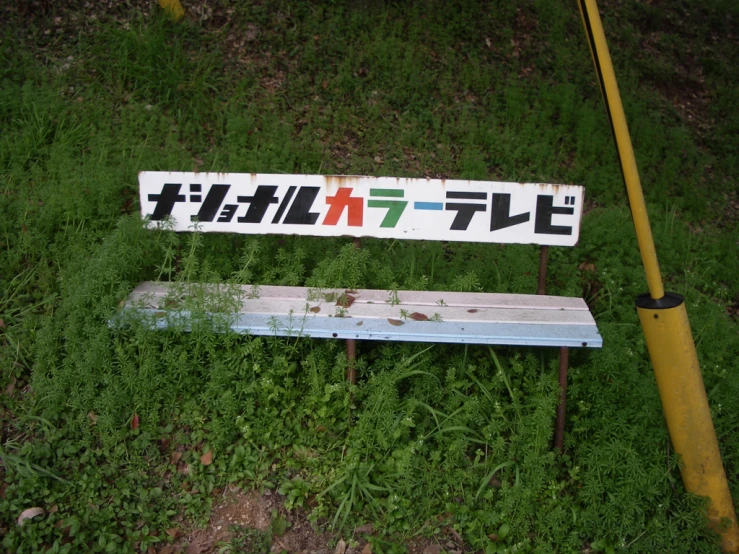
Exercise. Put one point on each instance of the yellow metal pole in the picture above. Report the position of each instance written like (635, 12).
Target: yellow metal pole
(685, 404)
(665, 324)
(612, 98)
(173, 8)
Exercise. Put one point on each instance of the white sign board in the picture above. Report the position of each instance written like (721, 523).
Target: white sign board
(383, 207)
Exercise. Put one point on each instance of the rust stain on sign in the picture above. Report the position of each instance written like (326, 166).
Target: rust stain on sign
(339, 181)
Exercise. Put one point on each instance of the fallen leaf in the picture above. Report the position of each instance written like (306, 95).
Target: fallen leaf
(360, 323)
(151, 550)
(457, 536)
(585, 266)
(168, 549)
(198, 545)
(472, 311)
(432, 549)
(345, 300)
(175, 457)
(29, 513)
(2, 324)
(207, 458)
(173, 532)
(367, 528)
(395, 322)
(10, 389)
(417, 316)
(252, 31)
(315, 309)
(135, 421)
(367, 549)
(340, 547)
(54, 509)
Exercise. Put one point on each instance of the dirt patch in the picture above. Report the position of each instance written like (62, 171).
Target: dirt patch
(239, 511)
(248, 510)
(242, 519)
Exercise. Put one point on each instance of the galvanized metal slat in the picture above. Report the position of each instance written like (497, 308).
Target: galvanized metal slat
(457, 332)
(423, 298)
(272, 314)
(279, 306)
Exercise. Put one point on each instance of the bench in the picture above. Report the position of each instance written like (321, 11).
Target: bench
(392, 208)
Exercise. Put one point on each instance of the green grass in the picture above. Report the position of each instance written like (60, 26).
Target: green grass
(428, 438)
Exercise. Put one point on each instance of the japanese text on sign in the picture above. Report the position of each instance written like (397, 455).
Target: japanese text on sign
(384, 207)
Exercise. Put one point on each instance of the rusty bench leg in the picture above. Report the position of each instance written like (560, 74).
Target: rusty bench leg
(351, 344)
(543, 259)
(559, 431)
(351, 359)
(564, 355)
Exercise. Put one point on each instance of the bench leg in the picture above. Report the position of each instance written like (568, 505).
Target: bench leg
(559, 431)
(351, 361)
(564, 354)
(543, 259)
(351, 344)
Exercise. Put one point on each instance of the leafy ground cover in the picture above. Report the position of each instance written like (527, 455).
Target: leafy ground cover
(128, 439)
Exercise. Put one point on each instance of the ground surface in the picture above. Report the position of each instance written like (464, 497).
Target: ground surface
(364, 106)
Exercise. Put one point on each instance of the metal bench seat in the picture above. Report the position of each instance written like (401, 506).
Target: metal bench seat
(409, 316)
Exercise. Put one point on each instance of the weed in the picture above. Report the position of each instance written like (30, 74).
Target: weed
(248, 540)
(392, 297)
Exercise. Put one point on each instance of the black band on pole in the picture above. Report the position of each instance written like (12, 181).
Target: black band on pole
(669, 300)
